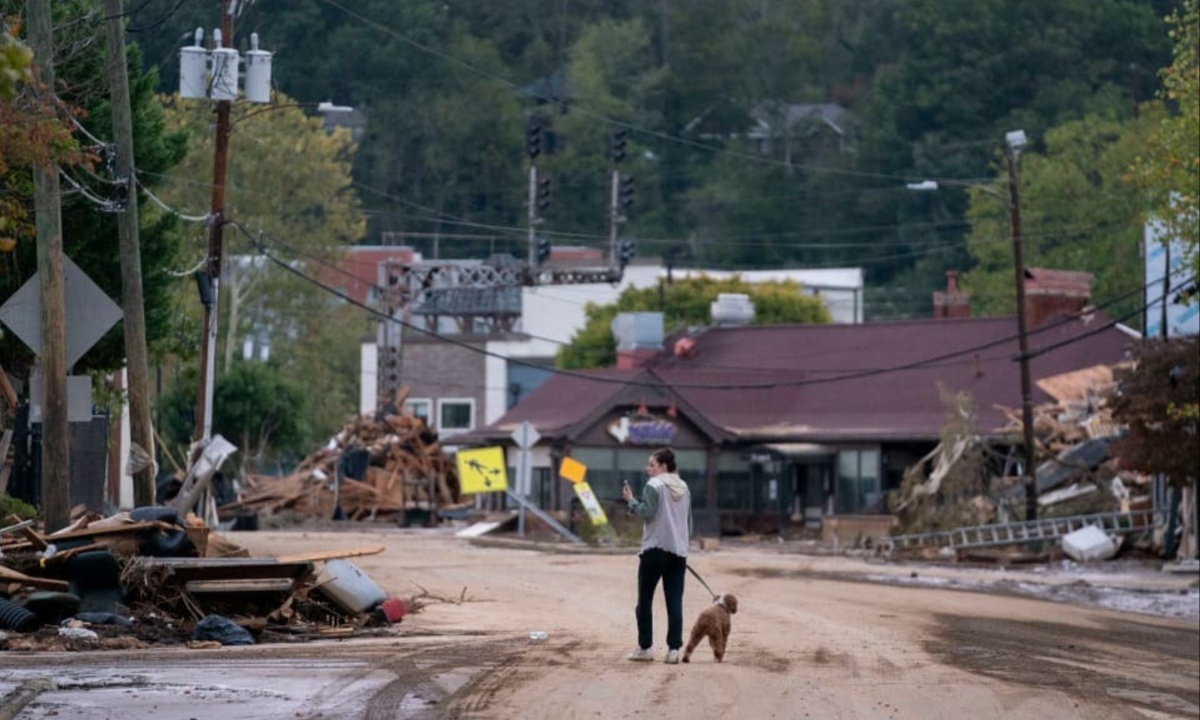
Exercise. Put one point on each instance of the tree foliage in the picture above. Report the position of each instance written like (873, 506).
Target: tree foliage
(610, 65)
(448, 89)
(686, 302)
(288, 193)
(1171, 168)
(1159, 400)
(256, 406)
(1079, 211)
(44, 135)
(969, 71)
(15, 59)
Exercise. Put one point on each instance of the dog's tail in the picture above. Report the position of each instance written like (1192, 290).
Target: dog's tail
(706, 587)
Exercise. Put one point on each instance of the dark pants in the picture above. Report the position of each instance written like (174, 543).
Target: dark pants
(656, 564)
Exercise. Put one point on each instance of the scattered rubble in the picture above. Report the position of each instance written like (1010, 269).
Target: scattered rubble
(150, 577)
(966, 482)
(377, 468)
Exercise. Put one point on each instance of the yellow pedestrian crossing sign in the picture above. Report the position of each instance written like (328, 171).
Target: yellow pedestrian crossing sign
(482, 470)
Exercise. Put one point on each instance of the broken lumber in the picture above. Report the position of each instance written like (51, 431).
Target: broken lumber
(330, 555)
(10, 575)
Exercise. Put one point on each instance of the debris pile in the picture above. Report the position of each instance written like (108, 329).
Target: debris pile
(968, 483)
(151, 577)
(375, 468)
(1075, 473)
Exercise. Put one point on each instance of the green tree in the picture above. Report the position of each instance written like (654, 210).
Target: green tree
(256, 406)
(15, 62)
(613, 72)
(1079, 211)
(15, 59)
(89, 227)
(970, 70)
(685, 302)
(288, 191)
(1171, 168)
(287, 185)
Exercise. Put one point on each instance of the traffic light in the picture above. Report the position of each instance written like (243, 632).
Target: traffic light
(543, 193)
(619, 139)
(625, 193)
(624, 253)
(533, 141)
(543, 249)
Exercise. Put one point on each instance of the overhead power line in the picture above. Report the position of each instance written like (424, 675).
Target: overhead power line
(916, 364)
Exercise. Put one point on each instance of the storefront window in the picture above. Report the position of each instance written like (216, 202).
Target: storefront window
(631, 468)
(858, 482)
(734, 482)
(691, 464)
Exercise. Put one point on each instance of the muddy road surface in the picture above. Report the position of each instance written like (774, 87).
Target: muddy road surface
(806, 643)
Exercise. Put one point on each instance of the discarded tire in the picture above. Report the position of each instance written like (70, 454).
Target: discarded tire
(51, 607)
(15, 617)
(160, 543)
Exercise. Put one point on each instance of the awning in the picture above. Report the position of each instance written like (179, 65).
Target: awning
(795, 451)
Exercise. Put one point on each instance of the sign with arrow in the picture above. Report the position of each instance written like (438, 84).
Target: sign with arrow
(482, 470)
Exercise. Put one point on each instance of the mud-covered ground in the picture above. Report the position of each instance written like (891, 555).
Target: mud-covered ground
(827, 637)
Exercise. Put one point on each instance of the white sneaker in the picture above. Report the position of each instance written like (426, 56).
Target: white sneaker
(672, 657)
(642, 655)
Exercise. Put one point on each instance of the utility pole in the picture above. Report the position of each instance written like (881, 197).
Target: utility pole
(533, 148)
(48, 211)
(617, 152)
(1166, 291)
(212, 275)
(140, 427)
(1016, 141)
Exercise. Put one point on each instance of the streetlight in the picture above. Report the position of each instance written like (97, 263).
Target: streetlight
(1015, 141)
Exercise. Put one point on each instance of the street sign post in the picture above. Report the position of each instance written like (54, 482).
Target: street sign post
(90, 314)
(525, 436)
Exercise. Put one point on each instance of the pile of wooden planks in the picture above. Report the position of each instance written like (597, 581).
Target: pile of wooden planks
(1081, 410)
(405, 469)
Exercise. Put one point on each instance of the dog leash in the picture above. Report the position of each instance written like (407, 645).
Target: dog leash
(706, 587)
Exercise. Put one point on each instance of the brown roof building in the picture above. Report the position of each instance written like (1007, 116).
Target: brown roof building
(785, 424)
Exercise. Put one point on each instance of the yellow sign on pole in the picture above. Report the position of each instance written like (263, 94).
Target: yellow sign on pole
(572, 470)
(482, 470)
(590, 503)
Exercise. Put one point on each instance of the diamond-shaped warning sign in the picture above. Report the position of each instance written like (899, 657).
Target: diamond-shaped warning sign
(90, 313)
(482, 470)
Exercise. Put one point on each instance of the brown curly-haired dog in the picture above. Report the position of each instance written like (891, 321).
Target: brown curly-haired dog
(714, 624)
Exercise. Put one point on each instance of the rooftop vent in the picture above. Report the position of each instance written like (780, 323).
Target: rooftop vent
(732, 310)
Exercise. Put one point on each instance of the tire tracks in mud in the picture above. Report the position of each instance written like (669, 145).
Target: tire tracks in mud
(464, 679)
(1139, 664)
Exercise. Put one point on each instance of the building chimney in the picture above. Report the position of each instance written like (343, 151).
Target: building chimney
(639, 337)
(1054, 293)
(952, 303)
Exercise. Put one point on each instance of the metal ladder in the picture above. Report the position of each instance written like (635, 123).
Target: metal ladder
(1023, 532)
